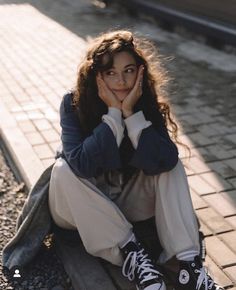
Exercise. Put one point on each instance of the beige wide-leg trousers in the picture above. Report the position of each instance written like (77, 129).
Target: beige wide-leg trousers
(104, 223)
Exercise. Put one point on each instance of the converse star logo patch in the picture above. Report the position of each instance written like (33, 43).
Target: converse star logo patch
(183, 277)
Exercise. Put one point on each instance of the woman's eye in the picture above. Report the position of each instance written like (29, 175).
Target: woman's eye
(110, 73)
(130, 70)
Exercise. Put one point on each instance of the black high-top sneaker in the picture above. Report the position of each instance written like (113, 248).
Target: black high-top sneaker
(193, 276)
(139, 267)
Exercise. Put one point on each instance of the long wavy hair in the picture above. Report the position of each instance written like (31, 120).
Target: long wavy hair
(153, 102)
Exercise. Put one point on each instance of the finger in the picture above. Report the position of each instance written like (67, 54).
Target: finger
(98, 80)
(139, 79)
(141, 70)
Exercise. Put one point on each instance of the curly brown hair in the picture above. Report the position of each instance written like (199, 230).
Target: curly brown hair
(155, 79)
(153, 101)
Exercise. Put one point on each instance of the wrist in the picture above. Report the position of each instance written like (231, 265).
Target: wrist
(127, 113)
(115, 105)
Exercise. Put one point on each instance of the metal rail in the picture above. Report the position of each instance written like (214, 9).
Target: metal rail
(221, 32)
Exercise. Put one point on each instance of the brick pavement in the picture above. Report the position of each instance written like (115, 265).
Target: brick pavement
(39, 53)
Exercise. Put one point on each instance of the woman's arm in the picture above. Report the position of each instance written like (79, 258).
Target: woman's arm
(155, 152)
(87, 156)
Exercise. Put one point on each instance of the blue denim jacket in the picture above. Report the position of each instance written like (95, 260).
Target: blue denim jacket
(156, 153)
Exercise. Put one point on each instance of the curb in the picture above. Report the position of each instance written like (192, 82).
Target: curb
(20, 150)
(219, 31)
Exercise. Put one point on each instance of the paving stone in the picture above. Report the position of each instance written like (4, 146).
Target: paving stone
(50, 114)
(50, 135)
(197, 165)
(186, 140)
(213, 220)
(199, 139)
(199, 185)
(21, 116)
(232, 181)
(205, 229)
(229, 239)
(232, 221)
(47, 162)
(231, 271)
(26, 126)
(191, 119)
(44, 89)
(223, 169)
(232, 138)
(233, 151)
(219, 276)
(198, 202)
(206, 155)
(208, 130)
(35, 115)
(34, 138)
(42, 124)
(16, 108)
(231, 163)
(219, 152)
(222, 202)
(219, 252)
(43, 151)
(57, 127)
(55, 146)
(224, 143)
(216, 181)
(29, 106)
(225, 130)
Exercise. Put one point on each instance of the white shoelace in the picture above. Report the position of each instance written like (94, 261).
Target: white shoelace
(138, 259)
(204, 279)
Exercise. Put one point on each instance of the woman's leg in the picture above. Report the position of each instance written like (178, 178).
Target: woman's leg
(76, 203)
(167, 197)
(176, 221)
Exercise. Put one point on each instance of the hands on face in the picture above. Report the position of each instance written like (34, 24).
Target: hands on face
(136, 92)
(106, 94)
(110, 99)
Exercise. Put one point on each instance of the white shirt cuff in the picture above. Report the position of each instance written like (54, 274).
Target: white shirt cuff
(135, 124)
(114, 120)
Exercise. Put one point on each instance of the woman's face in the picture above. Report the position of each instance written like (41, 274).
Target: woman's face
(121, 78)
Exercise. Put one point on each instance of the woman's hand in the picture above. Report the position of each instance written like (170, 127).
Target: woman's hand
(134, 95)
(106, 94)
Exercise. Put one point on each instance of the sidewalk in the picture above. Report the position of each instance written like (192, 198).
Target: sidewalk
(41, 45)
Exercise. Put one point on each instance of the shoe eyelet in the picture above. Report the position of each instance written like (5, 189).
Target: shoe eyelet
(195, 271)
(193, 264)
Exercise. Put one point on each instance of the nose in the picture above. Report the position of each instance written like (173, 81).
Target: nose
(121, 79)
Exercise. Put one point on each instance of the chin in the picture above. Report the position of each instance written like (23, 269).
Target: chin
(121, 97)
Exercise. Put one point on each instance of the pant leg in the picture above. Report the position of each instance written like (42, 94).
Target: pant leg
(167, 197)
(175, 216)
(77, 203)
(137, 200)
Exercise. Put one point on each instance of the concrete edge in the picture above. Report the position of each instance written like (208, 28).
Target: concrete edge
(212, 29)
(21, 151)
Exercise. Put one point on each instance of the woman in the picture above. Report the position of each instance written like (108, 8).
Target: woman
(119, 165)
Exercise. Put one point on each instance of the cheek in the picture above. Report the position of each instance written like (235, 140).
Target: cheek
(108, 82)
(132, 80)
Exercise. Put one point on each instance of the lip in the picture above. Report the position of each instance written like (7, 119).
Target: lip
(121, 91)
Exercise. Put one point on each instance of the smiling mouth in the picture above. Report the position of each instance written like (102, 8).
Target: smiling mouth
(121, 91)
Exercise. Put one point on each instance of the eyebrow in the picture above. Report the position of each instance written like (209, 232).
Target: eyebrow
(131, 64)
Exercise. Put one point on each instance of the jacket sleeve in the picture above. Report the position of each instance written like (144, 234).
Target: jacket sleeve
(86, 156)
(155, 153)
